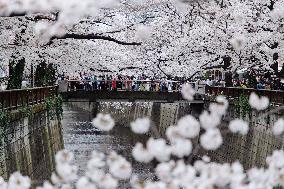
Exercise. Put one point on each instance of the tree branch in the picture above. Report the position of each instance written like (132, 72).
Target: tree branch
(129, 68)
(93, 36)
(38, 17)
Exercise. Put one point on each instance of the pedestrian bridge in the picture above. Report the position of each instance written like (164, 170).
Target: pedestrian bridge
(131, 96)
(78, 90)
(14, 99)
(82, 90)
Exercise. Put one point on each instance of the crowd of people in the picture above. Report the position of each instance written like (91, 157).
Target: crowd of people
(90, 82)
(260, 83)
(127, 83)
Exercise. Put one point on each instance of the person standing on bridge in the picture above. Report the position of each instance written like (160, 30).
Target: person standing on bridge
(147, 84)
(170, 85)
(113, 84)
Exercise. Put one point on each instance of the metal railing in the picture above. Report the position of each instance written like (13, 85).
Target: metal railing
(14, 99)
(234, 92)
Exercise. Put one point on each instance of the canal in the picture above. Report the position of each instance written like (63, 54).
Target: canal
(81, 138)
(29, 145)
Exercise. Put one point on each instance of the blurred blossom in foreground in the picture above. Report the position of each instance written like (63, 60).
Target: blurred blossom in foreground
(220, 107)
(188, 92)
(238, 42)
(278, 127)
(143, 32)
(211, 139)
(239, 126)
(188, 127)
(209, 120)
(103, 122)
(141, 154)
(18, 181)
(140, 125)
(258, 103)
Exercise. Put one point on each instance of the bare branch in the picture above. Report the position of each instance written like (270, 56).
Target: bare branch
(93, 36)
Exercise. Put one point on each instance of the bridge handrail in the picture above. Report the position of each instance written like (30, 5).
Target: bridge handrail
(275, 96)
(14, 99)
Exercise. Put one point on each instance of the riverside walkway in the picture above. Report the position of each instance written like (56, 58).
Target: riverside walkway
(19, 98)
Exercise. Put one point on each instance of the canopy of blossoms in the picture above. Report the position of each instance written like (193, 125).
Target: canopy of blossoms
(158, 37)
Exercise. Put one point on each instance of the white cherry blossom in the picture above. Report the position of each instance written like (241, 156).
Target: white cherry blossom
(259, 103)
(95, 174)
(141, 154)
(155, 185)
(18, 181)
(188, 126)
(188, 92)
(63, 157)
(164, 170)
(276, 160)
(209, 120)
(103, 122)
(3, 184)
(141, 125)
(239, 126)
(121, 169)
(66, 172)
(85, 183)
(96, 162)
(173, 133)
(159, 149)
(211, 139)
(46, 185)
(278, 127)
(181, 148)
(220, 107)
(108, 182)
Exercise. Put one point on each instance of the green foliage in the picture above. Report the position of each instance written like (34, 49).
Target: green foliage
(27, 112)
(242, 105)
(252, 82)
(16, 71)
(45, 75)
(4, 123)
(58, 106)
(205, 76)
(54, 107)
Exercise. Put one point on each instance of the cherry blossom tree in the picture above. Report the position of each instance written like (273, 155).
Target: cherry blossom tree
(161, 38)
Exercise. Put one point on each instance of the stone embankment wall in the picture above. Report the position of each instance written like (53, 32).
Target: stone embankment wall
(29, 144)
(252, 149)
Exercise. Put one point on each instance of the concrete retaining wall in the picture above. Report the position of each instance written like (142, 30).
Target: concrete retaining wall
(251, 150)
(28, 145)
